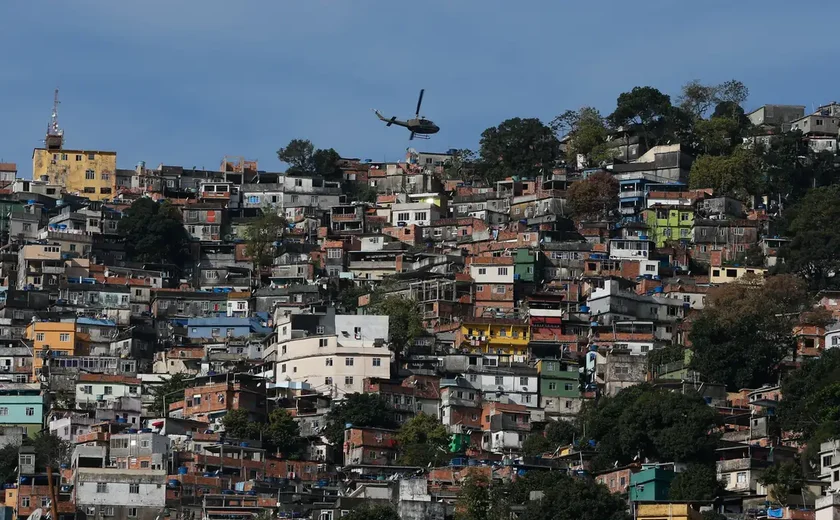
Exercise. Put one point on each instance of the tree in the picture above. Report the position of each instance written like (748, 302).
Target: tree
(594, 198)
(587, 132)
(8, 463)
(461, 166)
(474, 499)
(404, 323)
(282, 433)
(698, 99)
(535, 445)
(698, 482)
(304, 159)
(154, 232)
(51, 450)
(363, 192)
(737, 175)
(422, 441)
(358, 410)
(373, 512)
(782, 480)
(564, 498)
(169, 391)
(261, 238)
(811, 404)
(745, 331)
(238, 424)
(718, 135)
(814, 249)
(647, 423)
(560, 433)
(646, 108)
(518, 147)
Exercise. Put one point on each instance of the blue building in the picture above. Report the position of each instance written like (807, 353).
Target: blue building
(22, 404)
(225, 327)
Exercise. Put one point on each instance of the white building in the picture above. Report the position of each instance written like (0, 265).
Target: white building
(491, 274)
(91, 388)
(418, 213)
(334, 360)
(120, 494)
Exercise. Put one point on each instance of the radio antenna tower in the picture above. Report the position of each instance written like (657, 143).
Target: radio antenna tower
(53, 128)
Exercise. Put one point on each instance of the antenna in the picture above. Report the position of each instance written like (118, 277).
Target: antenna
(53, 129)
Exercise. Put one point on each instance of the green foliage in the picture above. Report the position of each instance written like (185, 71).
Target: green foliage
(50, 450)
(665, 355)
(698, 482)
(462, 165)
(698, 99)
(261, 237)
(523, 147)
(404, 324)
(535, 445)
(594, 198)
(475, 499)
(814, 249)
(422, 441)
(811, 404)
(8, 463)
(169, 391)
(564, 498)
(718, 135)
(745, 332)
(282, 433)
(561, 433)
(304, 159)
(737, 175)
(646, 108)
(363, 192)
(783, 479)
(239, 425)
(587, 132)
(373, 512)
(358, 410)
(650, 423)
(154, 232)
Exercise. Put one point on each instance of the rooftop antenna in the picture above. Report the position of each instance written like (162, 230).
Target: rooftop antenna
(53, 128)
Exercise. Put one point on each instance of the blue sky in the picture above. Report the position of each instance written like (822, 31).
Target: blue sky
(187, 82)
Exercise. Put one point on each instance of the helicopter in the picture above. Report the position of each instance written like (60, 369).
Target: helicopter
(420, 126)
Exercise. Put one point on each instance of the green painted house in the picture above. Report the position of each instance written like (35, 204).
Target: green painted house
(668, 223)
(559, 386)
(528, 266)
(652, 484)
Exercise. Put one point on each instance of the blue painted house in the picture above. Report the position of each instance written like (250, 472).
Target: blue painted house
(225, 327)
(22, 404)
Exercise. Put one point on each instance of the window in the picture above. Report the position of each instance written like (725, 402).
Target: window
(78, 157)
(552, 386)
(134, 489)
(739, 248)
(91, 156)
(27, 460)
(109, 390)
(101, 487)
(323, 342)
(90, 175)
(348, 380)
(132, 512)
(30, 411)
(739, 231)
(683, 233)
(348, 362)
(328, 362)
(523, 381)
(482, 270)
(45, 501)
(568, 387)
(503, 271)
(39, 336)
(87, 389)
(650, 268)
(319, 330)
(64, 337)
(827, 460)
(741, 477)
(474, 378)
(685, 216)
(333, 253)
(106, 176)
(499, 289)
(144, 464)
(499, 380)
(24, 501)
(328, 381)
(283, 368)
(420, 215)
(402, 217)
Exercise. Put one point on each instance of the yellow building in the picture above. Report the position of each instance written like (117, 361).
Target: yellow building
(495, 336)
(661, 511)
(56, 336)
(88, 173)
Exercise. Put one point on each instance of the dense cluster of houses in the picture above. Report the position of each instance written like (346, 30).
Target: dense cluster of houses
(527, 315)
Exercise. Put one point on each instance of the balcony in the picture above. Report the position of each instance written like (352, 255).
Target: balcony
(48, 269)
(500, 423)
(344, 217)
(373, 264)
(629, 194)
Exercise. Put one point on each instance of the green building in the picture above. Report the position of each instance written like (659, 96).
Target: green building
(559, 386)
(668, 223)
(652, 484)
(528, 266)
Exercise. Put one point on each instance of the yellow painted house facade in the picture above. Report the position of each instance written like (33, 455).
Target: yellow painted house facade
(498, 336)
(88, 173)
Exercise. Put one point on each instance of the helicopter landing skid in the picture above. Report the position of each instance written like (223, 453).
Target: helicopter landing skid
(420, 136)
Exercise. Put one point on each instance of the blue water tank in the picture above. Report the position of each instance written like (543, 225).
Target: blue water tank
(182, 470)
(173, 483)
(584, 308)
